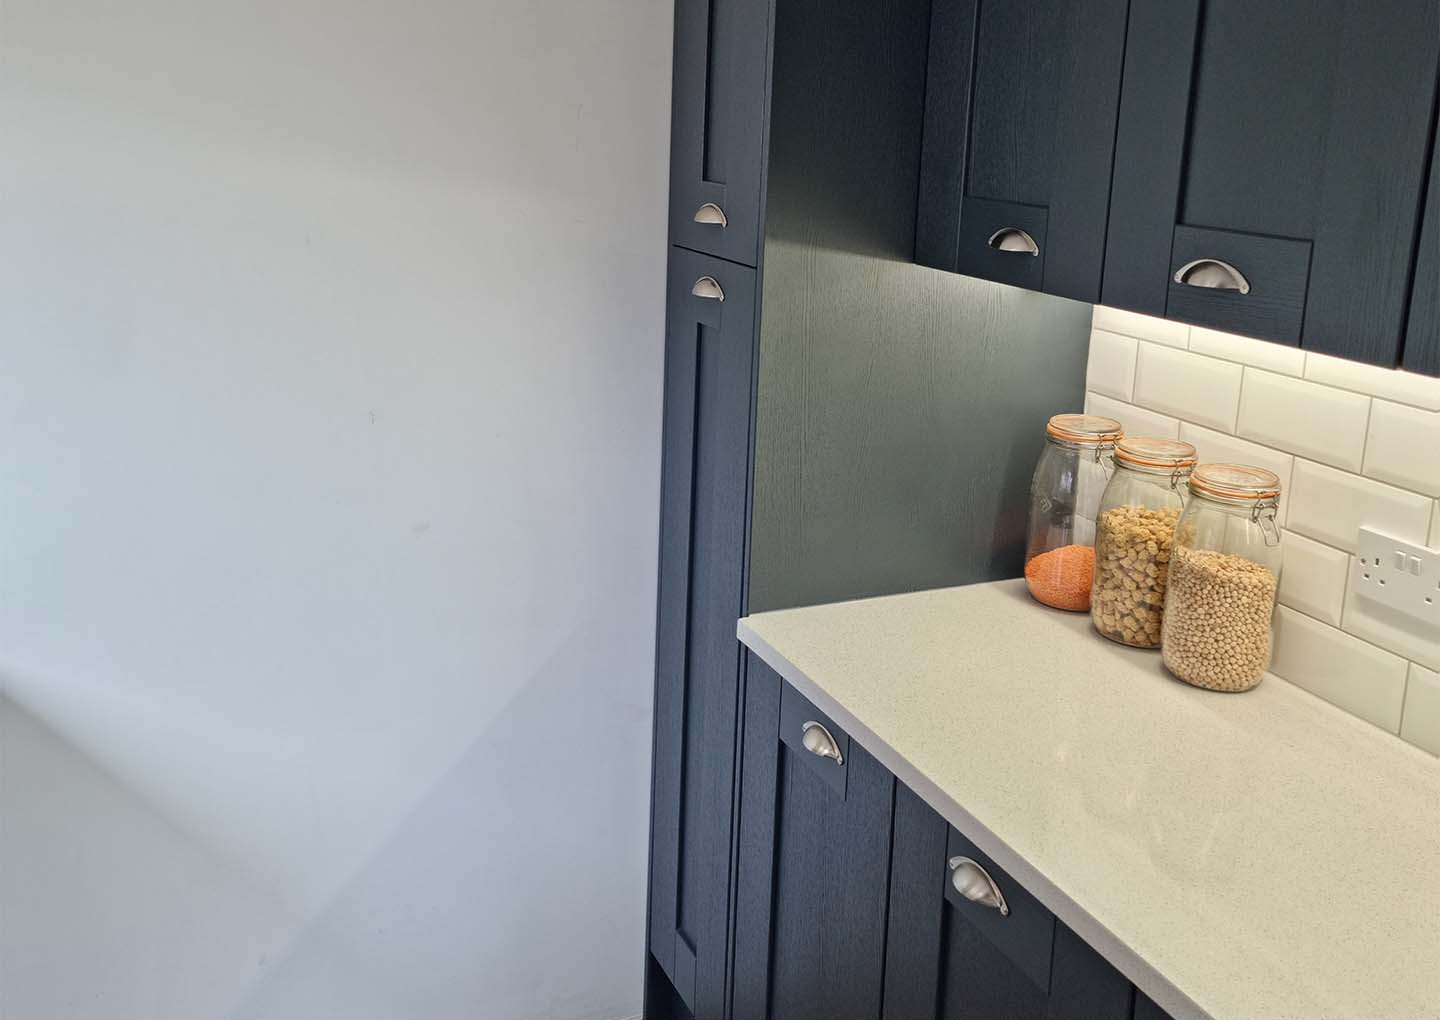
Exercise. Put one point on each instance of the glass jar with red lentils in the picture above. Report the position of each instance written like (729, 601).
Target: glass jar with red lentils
(1065, 493)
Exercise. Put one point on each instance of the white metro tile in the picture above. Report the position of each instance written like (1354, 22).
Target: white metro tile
(1137, 420)
(1404, 447)
(1142, 327)
(1190, 386)
(1331, 505)
(1111, 368)
(1388, 628)
(1314, 421)
(1421, 722)
(1350, 674)
(1260, 353)
(1219, 448)
(1389, 383)
(1313, 578)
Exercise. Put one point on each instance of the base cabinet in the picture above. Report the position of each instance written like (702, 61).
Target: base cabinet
(814, 861)
(857, 901)
(964, 958)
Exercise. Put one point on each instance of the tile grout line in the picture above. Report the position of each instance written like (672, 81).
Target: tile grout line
(1365, 446)
(1405, 699)
(1240, 400)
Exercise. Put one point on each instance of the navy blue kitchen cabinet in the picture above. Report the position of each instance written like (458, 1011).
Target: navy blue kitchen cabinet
(856, 901)
(813, 862)
(1270, 167)
(966, 940)
(717, 131)
(709, 365)
(1020, 116)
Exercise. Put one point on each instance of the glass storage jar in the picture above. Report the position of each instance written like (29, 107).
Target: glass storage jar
(1064, 500)
(1138, 514)
(1225, 563)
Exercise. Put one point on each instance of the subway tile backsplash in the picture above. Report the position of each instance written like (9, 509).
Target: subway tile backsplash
(1315, 421)
(1354, 446)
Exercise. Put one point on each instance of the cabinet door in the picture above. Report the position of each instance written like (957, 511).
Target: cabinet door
(953, 958)
(1147, 1010)
(717, 131)
(813, 864)
(1269, 162)
(1422, 345)
(1019, 137)
(709, 357)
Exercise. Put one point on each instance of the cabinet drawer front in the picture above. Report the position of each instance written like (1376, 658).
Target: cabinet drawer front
(1026, 934)
(985, 224)
(1274, 270)
(717, 134)
(818, 743)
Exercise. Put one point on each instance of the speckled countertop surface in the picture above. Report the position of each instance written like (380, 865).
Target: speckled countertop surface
(1260, 856)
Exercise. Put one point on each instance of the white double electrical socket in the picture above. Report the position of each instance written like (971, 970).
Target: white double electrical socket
(1403, 576)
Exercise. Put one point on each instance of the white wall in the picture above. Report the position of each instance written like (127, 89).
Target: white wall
(330, 357)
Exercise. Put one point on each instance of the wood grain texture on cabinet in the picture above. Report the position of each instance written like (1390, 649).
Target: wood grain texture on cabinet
(811, 903)
(941, 965)
(1260, 122)
(917, 913)
(1020, 112)
(704, 485)
(718, 124)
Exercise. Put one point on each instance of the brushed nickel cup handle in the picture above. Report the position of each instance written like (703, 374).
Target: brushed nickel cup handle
(816, 739)
(1013, 239)
(974, 883)
(709, 288)
(1212, 274)
(711, 215)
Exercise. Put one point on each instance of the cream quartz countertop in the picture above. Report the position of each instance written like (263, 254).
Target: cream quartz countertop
(1258, 856)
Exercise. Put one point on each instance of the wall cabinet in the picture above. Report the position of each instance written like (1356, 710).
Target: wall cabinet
(1019, 138)
(717, 133)
(709, 360)
(1269, 167)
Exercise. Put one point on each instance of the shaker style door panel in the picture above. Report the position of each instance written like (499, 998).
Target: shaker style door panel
(813, 868)
(1019, 137)
(717, 134)
(966, 941)
(705, 476)
(1269, 167)
(1422, 345)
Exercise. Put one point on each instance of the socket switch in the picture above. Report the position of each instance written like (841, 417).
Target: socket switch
(1399, 575)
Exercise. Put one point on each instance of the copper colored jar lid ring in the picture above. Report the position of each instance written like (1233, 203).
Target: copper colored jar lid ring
(1262, 484)
(1101, 430)
(1143, 451)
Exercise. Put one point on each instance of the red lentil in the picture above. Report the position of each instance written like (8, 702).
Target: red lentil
(1062, 577)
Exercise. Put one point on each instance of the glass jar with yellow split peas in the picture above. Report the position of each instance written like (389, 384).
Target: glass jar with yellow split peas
(1065, 496)
(1138, 513)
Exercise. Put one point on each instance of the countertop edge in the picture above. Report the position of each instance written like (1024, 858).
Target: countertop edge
(1140, 973)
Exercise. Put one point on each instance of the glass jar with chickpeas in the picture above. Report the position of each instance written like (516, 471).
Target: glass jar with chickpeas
(1225, 564)
(1138, 514)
